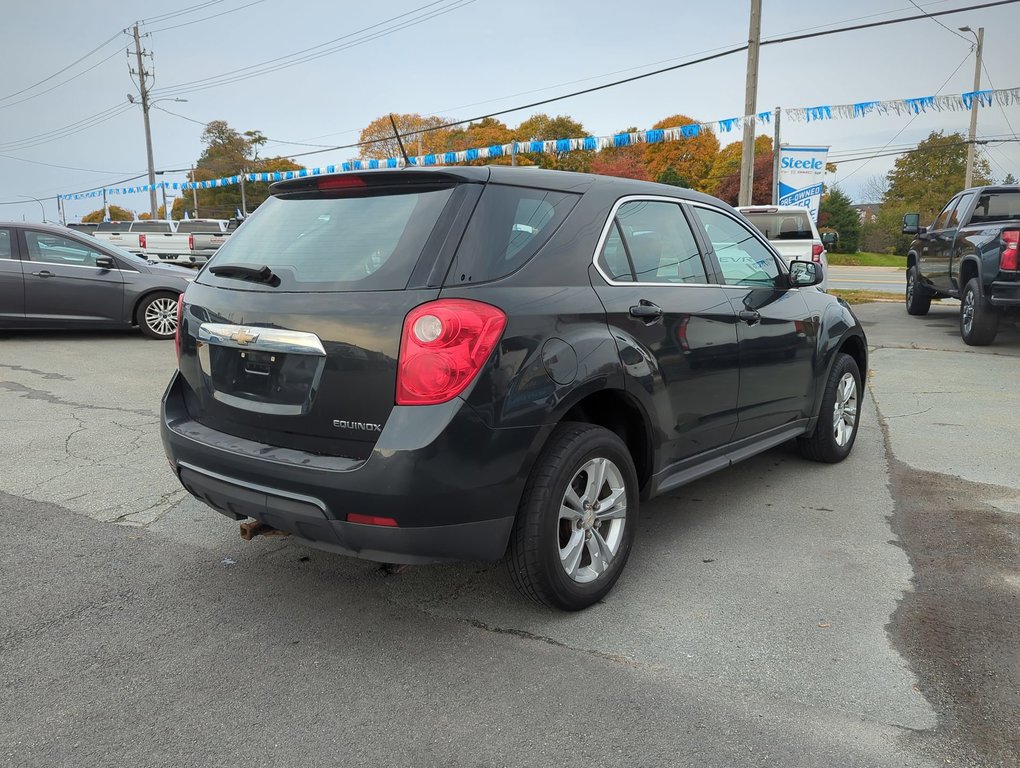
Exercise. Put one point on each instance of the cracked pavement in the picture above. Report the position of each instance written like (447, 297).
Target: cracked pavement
(779, 613)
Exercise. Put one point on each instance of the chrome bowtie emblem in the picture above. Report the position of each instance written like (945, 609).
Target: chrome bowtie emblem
(243, 337)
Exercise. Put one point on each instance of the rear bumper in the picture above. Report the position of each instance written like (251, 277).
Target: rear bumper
(450, 482)
(1005, 294)
(188, 260)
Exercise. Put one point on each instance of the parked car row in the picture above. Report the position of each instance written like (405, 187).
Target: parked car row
(190, 242)
(53, 277)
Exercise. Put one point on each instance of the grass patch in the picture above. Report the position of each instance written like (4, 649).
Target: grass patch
(863, 297)
(867, 260)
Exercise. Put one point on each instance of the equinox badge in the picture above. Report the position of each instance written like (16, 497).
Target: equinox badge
(365, 426)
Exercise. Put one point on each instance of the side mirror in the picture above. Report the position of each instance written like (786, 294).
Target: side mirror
(105, 262)
(911, 223)
(804, 274)
(829, 238)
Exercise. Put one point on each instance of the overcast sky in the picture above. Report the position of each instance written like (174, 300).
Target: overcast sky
(471, 57)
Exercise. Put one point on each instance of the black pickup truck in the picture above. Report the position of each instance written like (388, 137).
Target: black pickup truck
(968, 253)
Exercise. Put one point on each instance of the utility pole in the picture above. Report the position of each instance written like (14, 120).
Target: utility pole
(194, 191)
(244, 200)
(143, 89)
(750, 108)
(775, 162)
(974, 104)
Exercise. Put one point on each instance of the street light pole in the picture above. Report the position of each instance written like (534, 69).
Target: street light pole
(974, 103)
(41, 206)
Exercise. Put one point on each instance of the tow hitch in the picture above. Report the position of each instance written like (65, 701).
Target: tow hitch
(253, 528)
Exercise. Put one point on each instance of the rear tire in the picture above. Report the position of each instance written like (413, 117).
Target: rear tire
(157, 315)
(979, 320)
(839, 415)
(577, 519)
(918, 297)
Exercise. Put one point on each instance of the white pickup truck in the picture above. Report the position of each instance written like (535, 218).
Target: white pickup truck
(190, 242)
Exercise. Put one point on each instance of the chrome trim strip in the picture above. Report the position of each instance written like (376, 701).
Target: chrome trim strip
(261, 339)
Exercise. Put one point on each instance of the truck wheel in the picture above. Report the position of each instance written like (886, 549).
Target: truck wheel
(839, 415)
(918, 297)
(577, 519)
(157, 316)
(979, 320)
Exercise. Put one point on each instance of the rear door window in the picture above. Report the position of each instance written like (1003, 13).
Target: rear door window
(743, 259)
(508, 227)
(6, 252)
(352, 243)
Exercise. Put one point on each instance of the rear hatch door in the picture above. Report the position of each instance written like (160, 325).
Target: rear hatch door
(291, 333)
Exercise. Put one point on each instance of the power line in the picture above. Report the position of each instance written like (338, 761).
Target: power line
(181, 12)
(62, 82)
(51, 165)
(268, 139)
(67, 130)
(951, 31)
(206, 18)
(64, 69)
(181, 87)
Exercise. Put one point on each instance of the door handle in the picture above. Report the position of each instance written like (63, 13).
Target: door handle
(647, 311)
(749, 316)
(43, 273)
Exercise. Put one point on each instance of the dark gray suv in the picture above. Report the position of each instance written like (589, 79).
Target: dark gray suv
(474, 363)
(54, 277)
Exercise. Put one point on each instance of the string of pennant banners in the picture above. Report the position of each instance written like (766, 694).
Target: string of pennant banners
(1003, 97)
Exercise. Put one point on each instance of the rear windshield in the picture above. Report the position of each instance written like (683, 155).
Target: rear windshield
(151, 226)
(338, 244)
(792, 225)
(114, 226)
(508, 227)
(996, 206)
(192, 226)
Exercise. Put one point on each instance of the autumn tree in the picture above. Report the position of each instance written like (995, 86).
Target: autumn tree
(625, 162)
(420, 134)
(690, 158)
(542, 127)
(116, 214)
(486, 132)
(837, 212)
(761, 189)
(727, 162)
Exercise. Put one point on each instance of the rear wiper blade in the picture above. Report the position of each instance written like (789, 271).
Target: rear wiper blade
(259, 273)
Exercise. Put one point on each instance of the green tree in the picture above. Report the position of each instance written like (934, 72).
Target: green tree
(689, 158)
(1010, 179)
(542, 127)
(837, 212)
(116, 214)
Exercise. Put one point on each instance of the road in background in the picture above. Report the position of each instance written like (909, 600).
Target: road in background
(885, 279)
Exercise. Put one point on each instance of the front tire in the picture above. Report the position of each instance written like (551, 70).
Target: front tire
(979, 320)
(157, 315)
(577, 519)
(839, 416)
(918, 297)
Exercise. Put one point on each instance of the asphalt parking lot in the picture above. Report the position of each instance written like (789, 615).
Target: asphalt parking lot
(779, 613)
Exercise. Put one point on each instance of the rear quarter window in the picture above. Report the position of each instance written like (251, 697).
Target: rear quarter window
(508, 227)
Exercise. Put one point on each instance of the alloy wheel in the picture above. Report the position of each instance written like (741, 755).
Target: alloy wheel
(968, 311)
(592, 517)
(161, 316)
(844, 414)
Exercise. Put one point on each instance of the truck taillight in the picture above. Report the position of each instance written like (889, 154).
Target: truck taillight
(191, 242)
(817, 249)
(177, 332)
(443, 346)
(1010, 246)
(141, 241)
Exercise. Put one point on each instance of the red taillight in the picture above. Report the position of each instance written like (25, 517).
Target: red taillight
(1010, 246)
(327, 183)
(371, 520)
(177, 333)
(817, 249)
(141, 241)
(443, 345)
(191, 242)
